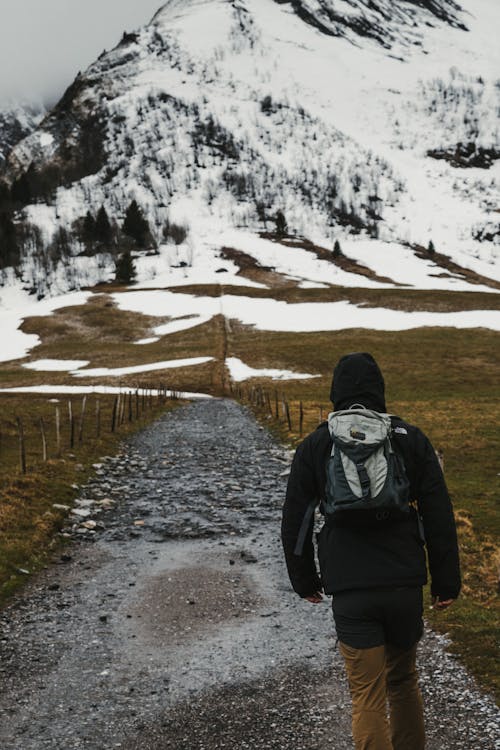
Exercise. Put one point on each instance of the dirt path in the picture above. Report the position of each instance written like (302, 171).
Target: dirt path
(169, 623)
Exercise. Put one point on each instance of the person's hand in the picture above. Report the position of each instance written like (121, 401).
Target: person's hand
(315, 598)
(438, 603)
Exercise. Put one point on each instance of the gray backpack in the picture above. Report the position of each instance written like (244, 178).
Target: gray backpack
(364, 472)
(365, 477)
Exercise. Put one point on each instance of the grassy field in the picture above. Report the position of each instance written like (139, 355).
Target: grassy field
(444, 380)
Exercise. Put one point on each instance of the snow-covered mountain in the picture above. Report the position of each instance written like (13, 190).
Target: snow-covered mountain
(371, 122)
(389, 22)
(17, 121)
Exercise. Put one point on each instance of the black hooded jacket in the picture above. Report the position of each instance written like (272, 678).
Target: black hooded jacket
(375, 554)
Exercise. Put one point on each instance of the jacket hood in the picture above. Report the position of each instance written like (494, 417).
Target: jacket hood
(357, 379)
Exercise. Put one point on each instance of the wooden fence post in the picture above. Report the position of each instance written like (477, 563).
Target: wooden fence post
(123, 401)
(22, 446)
(268, 401)
(97, 418)
(44, 440)
(71, 425)
(58, 432)
(301, 418)
(82, 417)
(287, 409)
(113, 416)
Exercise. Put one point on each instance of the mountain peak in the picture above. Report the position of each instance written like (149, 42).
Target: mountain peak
(174, 10)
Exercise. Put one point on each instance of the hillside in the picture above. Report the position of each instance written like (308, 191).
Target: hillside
(375, 127)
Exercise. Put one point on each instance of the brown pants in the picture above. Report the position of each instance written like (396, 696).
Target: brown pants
(376, 675)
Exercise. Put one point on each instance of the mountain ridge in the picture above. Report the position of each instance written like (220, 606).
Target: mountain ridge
(372, 19)
(212, 112)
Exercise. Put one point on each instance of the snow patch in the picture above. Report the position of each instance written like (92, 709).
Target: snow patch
(75, 390)
(239, 371)
(136, 369)
(56, 365)
(151, 340)
(46, 139)
(16, 305)
(273, 315)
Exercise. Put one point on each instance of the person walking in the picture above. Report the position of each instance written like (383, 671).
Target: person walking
(381, 512)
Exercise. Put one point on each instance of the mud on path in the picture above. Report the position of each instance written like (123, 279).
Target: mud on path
(169, 622)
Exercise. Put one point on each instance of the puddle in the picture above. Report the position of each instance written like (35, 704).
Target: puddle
(180, 604)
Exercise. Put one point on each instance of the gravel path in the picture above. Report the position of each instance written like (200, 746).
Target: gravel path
(169, 622)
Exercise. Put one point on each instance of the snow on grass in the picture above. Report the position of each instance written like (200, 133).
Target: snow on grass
(136, 369)
(403, 266)
(295, 263)
(56, 365)
(273, 315)
(388, 259)
(151, 340)
(16, 305)
(182, 324)
(75, 390)
(239, 371)
(194, 262)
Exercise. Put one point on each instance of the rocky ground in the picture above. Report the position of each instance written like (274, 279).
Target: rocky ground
(169, 622)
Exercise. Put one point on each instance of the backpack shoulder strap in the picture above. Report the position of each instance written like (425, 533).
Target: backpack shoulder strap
(304, 528)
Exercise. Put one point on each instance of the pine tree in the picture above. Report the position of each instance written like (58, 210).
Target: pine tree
(125, 269)
(281, 225)
(60, 247)
(337, 250)
(9, 246)
(88, 233)
(21, 191)
(430, 248)
(135, 225)
(103, 230)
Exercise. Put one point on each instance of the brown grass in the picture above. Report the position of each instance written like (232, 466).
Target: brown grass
(446, 381)
(408, 300)
(28, 520)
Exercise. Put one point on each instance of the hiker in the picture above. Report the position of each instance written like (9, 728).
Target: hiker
(378, 511)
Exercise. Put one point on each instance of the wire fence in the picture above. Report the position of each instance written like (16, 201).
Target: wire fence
(277, 406)
(67, 424)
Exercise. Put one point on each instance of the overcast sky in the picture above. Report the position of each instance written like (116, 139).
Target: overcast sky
(44, 43)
